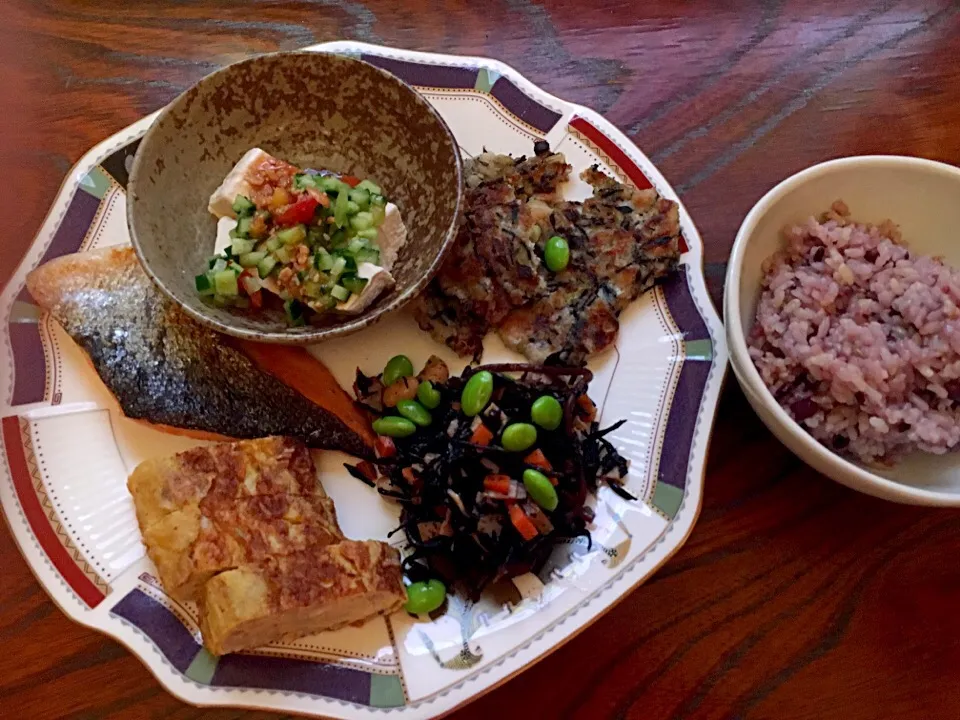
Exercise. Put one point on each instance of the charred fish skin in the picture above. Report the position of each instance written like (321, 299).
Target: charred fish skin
(165, 368)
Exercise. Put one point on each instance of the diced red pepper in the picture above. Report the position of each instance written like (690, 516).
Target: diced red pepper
(299, 211)
(350, 180)
(256, 300)
(385, 447)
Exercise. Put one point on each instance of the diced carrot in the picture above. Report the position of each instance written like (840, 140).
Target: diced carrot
(409, 475)
(553, 480)
(481, 436)
(587, 407)
(350, 180)
(499, 484)
(523, 524)
(385, 447)
(538, 459)
(368, 470)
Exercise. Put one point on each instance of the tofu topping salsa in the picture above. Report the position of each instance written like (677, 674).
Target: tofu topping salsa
(309, 237)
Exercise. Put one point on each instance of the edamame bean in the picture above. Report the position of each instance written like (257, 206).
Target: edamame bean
(518, 436)
(540, 489)
(428, 395)
(397, 367)
(556, 253)
(547, 412)
(393, 426)
(414, 411)
(476, 393)
(425, 597)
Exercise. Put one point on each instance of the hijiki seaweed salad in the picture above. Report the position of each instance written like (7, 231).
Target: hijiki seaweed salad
(492, 468)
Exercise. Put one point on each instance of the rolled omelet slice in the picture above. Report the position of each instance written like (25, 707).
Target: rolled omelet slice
(284, 598)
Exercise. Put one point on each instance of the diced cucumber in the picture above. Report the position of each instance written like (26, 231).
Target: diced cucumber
(294, 312)
(240, 302)
(338, 239)
(323, 260)
(241, 246)
(339, 265)
(204, 284)
(378, 214)
(361, 198)
(369, 234)
(370, 187)
(225, 283)
(273, 244)
(361, 221)
(330, 184)
(218, 263)
(369, 255)
(302, 181)
(354, 284)
(357, 244)
(324, 302)
(243, 226)
(352, 208)
(265, 266)
(243, 206)
(282, 254)
(340, 209)
(340, 292)
(252, 259)
(292, 235)
(377, 200)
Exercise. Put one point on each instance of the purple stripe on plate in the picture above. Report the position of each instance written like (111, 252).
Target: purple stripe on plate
(29, 363)
(441, 76)
(524, 107)
(73, 228)
(156, 621)
(274, 673)
(676, 290)
(675, 457)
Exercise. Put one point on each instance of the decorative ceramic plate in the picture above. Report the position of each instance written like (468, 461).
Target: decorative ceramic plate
(67, 450)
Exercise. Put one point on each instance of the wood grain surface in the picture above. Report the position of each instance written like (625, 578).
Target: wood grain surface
(794, 597)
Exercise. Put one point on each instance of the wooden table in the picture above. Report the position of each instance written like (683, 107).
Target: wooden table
(794, 597)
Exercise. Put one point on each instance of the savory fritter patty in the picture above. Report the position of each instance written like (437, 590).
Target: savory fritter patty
(622, 240)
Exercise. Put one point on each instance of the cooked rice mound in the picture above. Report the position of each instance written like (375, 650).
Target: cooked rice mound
(859, 339)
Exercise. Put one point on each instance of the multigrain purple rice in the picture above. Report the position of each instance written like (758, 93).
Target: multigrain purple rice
(859, 339)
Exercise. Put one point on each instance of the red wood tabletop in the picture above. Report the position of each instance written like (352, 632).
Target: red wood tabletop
(794, 597)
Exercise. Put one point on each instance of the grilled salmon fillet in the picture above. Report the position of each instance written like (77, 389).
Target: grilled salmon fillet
(214, 508)
(167, 369)
(283, 598)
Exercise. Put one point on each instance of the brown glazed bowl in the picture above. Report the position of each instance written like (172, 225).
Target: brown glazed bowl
(315, 110)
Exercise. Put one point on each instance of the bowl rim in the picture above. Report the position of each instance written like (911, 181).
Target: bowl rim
(837, 467)
(297, 336)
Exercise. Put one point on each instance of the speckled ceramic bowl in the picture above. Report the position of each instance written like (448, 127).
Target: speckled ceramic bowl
(316, 110)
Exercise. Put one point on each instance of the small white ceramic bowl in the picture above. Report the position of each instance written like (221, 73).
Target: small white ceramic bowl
(923, 198)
